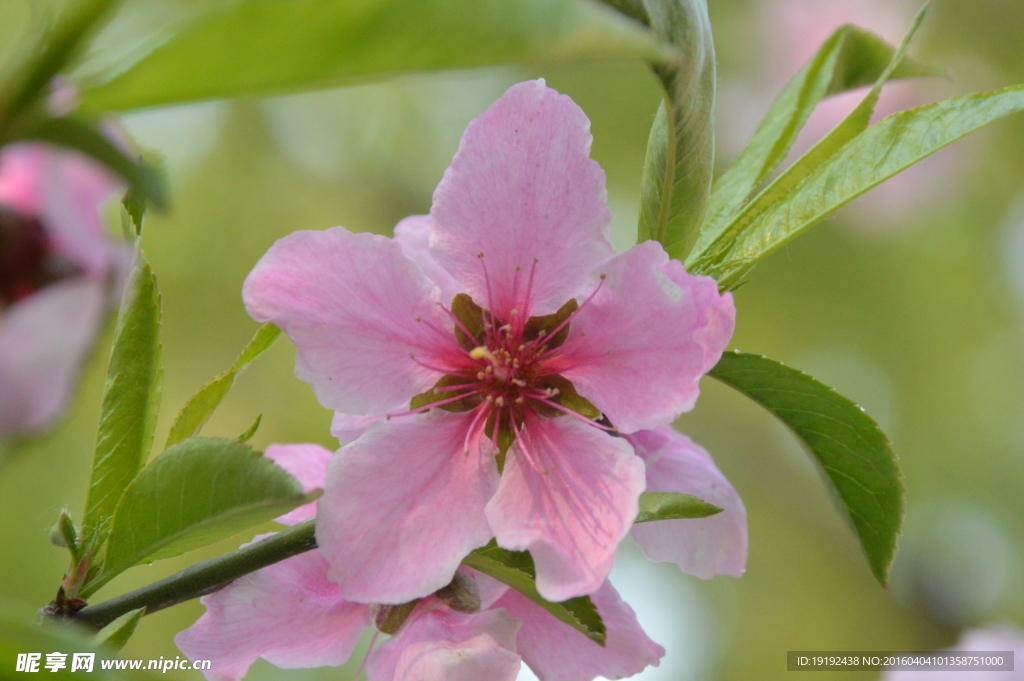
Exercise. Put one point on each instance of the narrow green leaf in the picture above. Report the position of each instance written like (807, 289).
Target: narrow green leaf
(676, 180)
(849, 59)
(113, 636)
(275, 46)
(884, 150)
(145, 183)
(198, 410)
(515, 569)
(251, 430)
(196, 493)
(714, 241)
(854, 453)
(715, 235)
(131, 399)
(673, 506)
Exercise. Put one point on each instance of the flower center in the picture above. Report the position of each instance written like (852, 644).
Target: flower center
(506, 368)
(27, 261)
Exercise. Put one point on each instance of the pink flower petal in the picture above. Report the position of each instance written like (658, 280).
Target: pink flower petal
(350, 303)
(703, 547)
(557, 652)
(65, 190)
(44, 339)
(74, 190)
(568, 494)
(307, 463)
(490, 589)
(437, 644)
(287, 613)
(639, 347)
(348, 428)
(22, 168)
(403, 505)
(523, 187)
(413, 235)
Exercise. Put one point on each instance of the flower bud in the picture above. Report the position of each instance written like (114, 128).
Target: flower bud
(462, 594)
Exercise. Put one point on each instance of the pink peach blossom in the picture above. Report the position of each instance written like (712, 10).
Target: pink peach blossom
(519, 229)
(703, 547)
(291, 615)
(58, 273)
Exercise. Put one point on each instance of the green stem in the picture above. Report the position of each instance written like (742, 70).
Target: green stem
(203, 578)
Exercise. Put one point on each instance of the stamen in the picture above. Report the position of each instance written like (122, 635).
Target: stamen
(515, 288)
(439, 403)
(487, 281)
(369, 649)
(561, 326)
(443, 334)
(529, 289)
(480, 413)
(458, 322)
(570, 412)
(462, 373)
(480, 352)
(524, 449)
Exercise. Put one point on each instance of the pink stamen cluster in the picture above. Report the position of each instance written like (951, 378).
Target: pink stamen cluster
(505, 374)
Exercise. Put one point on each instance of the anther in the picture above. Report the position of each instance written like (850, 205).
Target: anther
(480, 352)
(419, 318)
(500, 401)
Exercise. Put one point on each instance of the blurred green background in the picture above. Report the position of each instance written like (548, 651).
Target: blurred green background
(910, 301)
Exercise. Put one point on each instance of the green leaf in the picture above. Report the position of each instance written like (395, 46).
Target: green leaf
(849, 59)
(145, 183)
(515, 569)
(266, 47)
(676, 180)
(854, 453)
(196, 493)
(882, 151)
(716, 239)
(113, 636)
(673, 506)
(198, 410)
(131, 399)
(251, 430)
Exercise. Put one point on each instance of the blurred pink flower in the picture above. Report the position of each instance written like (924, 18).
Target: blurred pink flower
(1001, 637)
(58, 272)
(291, 615)
(520, 227)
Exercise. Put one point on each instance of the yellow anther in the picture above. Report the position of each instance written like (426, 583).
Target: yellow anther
(500, 401)
(480, 375)
(514, 312)
(480, 352)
